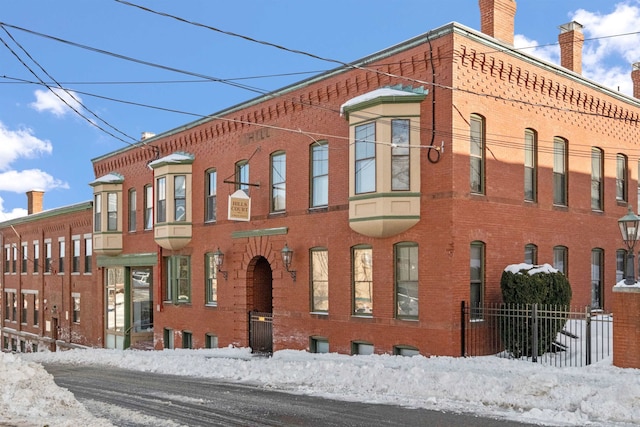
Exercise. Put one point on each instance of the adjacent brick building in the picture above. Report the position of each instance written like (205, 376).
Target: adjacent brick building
(50, 296)
(401, 184)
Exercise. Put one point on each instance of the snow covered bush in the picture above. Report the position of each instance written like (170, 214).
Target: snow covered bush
(527, 289)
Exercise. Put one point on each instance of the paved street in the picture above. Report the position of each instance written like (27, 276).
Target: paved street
(131, 398)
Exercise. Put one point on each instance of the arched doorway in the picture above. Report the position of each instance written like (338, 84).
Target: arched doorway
(260, 303)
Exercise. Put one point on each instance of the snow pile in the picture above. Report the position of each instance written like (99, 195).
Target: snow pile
(597, 395)
(30, 397)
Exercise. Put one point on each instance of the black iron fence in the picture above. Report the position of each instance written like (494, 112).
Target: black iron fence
(550, 335)
(261, 332)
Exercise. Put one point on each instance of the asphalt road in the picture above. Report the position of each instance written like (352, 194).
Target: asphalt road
(132, 398)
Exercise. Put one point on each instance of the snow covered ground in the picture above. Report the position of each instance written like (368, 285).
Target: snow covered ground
(597, 395)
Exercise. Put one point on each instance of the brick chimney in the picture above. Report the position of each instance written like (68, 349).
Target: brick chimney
(34, 201)
(571, 40)
(497, 19)
(635, 78)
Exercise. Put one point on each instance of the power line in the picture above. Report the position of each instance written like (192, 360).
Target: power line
(54, 92)
(151, 82)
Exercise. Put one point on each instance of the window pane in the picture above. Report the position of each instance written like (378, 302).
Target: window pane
(596, 278)
(320, 174)
(278, 182)
(476, 155)
(132, 210)
(596, 179)
(211, 196)
(211, 280)
(476, 273)
(180, 192)
(407, 280)
(320, 280)
(142, 289)
(363, 281)
(161, 195)
(400, 155)
(365, 161)
(530, 164)
(148, 208)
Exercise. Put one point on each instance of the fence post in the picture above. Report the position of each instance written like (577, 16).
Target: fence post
(534, 324)
(588, 335)
(463, 334)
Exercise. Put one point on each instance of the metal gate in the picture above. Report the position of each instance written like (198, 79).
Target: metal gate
(261, 332)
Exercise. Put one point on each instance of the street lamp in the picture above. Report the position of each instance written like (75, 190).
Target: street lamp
(287, 256)
(630, 232)
(218, 260)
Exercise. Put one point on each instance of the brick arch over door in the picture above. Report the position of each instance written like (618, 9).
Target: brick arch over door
(259, 285)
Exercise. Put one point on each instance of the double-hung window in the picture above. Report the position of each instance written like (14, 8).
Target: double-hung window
(530, 165)
(148, 207)
(597, 278)
(319, 280)
(132, 209)
(400, 155)
(476, 273)
(242, 176)
(531, 254)
(365, 158)
(362, 266)
(560, 185)
(560, 259)
(319, 174)
(161, 200)
(211, 198)
(621, 264)
(278, 182)
(88, 252)
(180, 197)
(178, 282)
(75, 262)
(211, 279)
(477, 154)
(61, 255)
(112, 212)
(97, 212)
(36, 256)
(406, 275)
(621, 178)
(25, 258)
(7, 259)
(47, 256)
(597, 179)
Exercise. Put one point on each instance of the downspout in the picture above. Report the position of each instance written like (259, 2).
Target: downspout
(433, 106)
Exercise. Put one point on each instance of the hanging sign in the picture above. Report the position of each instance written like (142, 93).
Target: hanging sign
(239, 206)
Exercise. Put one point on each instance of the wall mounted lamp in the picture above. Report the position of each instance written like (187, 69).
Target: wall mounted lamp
(218, 259)
(287, 256)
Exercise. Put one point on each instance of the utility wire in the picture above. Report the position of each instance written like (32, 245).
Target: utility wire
(54, 92)
(272, 94)
(461, 135)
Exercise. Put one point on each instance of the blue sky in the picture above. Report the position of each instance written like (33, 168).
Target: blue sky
(45, 145)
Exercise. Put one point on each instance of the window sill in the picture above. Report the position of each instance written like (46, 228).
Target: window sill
(408, 319)
(211, 305)
(319, 313)
(362, 316)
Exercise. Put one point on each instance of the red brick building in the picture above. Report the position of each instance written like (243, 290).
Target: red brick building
(50, 295)
(402, 184)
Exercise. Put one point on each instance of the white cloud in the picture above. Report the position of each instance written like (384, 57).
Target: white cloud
(15, 213)
(20, 143)
(609, 39)
(550, 53)
(58, 104)
(25, 180)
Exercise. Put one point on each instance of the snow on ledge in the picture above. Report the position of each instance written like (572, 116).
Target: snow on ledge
(530, 268)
